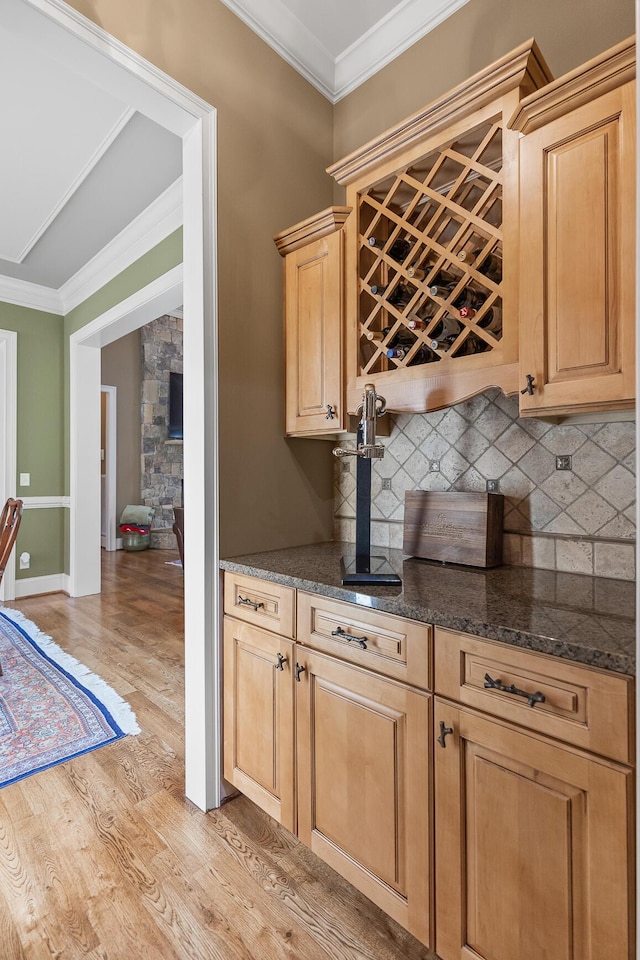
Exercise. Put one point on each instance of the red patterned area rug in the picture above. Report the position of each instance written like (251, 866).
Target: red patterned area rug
(52, 708)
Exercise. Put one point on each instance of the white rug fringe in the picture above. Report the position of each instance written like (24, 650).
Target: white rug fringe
(117, 707)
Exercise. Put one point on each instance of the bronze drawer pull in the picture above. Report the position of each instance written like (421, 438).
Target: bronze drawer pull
(299, 670)
(280, 664)
(330, 412)
(444, 732)
(339, 632)
(529, 387)
(531, 698)
(249, 603)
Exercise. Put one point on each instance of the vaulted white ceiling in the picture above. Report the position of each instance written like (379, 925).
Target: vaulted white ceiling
(338, 44)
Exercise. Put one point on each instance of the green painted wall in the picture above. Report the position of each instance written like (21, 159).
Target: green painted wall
(42, 535)
(163, 257)
(40, 431)
(43, 402)
(40, 397)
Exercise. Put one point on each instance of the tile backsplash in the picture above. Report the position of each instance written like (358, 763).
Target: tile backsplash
(580, 519)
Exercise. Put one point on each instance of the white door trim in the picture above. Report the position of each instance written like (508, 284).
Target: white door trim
(110, 464)
(8, 440)
(95, 56)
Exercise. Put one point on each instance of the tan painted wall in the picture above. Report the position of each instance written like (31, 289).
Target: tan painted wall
(121, 368)
(276, 136)
(275, 139)
(568, 32)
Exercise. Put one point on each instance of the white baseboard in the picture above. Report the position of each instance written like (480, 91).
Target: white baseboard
(54, 583)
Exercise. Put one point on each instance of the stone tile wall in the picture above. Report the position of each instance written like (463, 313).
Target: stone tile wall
(162, 462)
(580, 520)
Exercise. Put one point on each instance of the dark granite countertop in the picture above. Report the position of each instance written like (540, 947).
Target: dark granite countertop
(586, 619)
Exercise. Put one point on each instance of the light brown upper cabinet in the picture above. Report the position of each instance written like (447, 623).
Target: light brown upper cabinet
(431, 278)
(577, 238)
(314, 307)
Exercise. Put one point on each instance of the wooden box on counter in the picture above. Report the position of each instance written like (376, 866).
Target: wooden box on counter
(454, 527)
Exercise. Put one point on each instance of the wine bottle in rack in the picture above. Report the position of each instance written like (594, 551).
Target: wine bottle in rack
(470, 301)
(399, 296)
(423, 355)
(470, 346)
(445, 332)
(416, 273)
(491, 266)
(415, 323)
(441, 290)
(443, 283)
(398, 251)
(374, 335)
(396, 353)
(492, 319)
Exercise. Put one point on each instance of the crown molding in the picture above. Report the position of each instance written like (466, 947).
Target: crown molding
(336, 77)
(274, 23)
(313, 228)
(386, 40)
(598, 76)
(524, 66)
(31, 295)
(156, 222)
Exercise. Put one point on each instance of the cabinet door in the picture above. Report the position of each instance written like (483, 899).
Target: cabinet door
(363, 793)
(258, 718)
(533, 850)
(577, 309)
(313, 336)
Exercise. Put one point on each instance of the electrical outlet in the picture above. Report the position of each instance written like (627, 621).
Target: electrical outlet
(434, 466)
(386, 483)
(493, 486)
(563, 462)
(25, 560)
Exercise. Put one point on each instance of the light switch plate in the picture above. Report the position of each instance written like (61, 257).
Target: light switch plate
(25, 479)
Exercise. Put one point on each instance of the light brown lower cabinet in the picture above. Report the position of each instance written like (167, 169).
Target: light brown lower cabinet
(363, 783)
(533, 846)
(331, 733)
(259, 717)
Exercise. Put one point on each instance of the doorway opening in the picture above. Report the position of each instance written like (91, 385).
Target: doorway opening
(65, 35)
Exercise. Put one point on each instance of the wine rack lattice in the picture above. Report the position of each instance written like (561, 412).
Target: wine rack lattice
(430, 256)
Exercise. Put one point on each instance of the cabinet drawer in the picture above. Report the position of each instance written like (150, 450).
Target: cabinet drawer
(390, 645)
(581, 705)
(265, 604)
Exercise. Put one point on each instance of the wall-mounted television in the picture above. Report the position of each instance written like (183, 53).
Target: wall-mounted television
(175, 406)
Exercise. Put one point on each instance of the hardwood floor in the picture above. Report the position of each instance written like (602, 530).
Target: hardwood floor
(103, 857)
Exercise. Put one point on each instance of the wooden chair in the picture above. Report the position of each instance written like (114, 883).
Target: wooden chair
(178, 529)
(9, 525)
